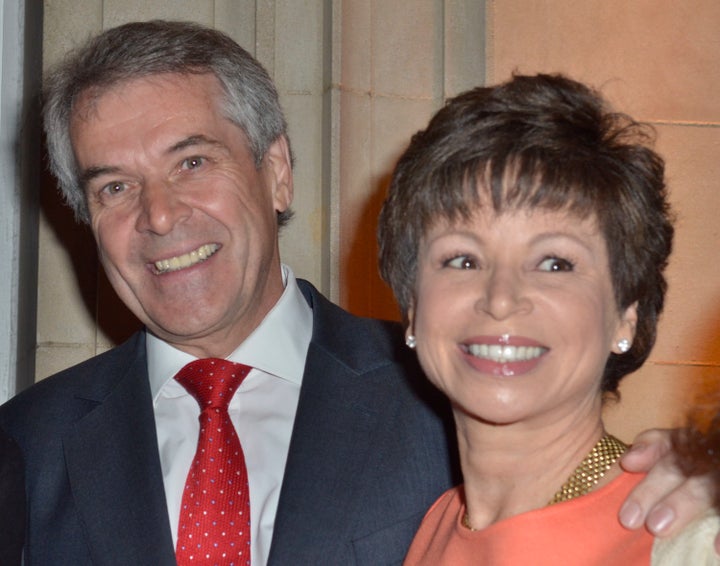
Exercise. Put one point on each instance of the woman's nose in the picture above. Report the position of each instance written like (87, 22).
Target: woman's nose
(504, 294)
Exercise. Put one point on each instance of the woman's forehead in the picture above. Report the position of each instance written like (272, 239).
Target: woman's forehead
(482, 213)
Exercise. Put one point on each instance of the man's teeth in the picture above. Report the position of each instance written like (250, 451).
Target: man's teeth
(502, 354)
(186, 260)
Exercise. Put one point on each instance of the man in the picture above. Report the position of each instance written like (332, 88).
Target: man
(169, 140)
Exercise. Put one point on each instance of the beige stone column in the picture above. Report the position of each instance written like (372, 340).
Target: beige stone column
(79, 315)
(399, 60)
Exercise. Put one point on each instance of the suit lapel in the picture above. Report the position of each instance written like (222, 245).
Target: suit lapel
(113, 464)
(333, 433)
(336, 422)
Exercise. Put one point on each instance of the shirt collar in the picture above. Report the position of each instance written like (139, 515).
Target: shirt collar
(278, 346)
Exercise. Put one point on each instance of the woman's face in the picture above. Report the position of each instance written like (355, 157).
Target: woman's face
(515, 314)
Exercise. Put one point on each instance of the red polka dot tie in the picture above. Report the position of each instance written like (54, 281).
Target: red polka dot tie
(214, 525)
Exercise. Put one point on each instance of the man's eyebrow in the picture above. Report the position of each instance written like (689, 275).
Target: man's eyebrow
(191, 141)
(94, 172)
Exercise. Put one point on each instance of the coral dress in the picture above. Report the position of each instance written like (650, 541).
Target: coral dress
(584, 531)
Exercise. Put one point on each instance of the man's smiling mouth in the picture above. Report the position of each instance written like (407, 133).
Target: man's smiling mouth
(186, 260)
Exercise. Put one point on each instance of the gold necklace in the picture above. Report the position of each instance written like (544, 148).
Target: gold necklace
(586, 476)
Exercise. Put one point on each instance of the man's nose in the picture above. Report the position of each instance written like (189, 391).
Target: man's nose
(161, 207)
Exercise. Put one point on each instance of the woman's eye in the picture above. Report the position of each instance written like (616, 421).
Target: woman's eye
(192, 162)
(461, 262)
(555, 264)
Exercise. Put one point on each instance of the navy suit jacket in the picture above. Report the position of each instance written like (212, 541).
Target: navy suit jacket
(12, 502)
(370, 451)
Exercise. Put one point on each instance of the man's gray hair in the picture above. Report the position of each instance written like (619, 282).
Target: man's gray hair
(141, 49)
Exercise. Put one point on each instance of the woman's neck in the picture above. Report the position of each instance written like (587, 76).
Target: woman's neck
(511, 469)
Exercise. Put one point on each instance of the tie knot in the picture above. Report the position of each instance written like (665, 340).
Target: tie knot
(212, 381)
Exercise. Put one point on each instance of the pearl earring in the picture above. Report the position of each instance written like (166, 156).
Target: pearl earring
(410, 341)
(623, 345)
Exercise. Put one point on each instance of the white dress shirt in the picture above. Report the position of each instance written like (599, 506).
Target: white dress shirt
(262, 410)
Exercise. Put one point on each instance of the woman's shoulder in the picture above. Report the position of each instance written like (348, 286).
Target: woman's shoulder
(449, 502)
(693, 545)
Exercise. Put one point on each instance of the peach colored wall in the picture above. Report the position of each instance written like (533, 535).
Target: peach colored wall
(658, 60)
(654, 59)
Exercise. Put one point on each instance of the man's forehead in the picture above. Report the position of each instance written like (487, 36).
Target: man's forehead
(86, 102)
(161, 113)
(192, 102)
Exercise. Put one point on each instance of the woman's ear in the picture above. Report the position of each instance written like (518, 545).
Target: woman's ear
(410, 329)
(625, 333)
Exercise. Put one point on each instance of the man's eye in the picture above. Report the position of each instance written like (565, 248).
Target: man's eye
(555, 264)
(461, 262)
(112, 189)
(192, 162)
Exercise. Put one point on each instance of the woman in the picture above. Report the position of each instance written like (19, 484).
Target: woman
(12, 502)
(525, 236)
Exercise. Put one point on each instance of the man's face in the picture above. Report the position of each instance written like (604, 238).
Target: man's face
(184, 222)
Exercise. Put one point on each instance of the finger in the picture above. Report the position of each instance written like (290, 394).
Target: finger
(667, 511)
(681, 507)
(648, 448)
(649, 496)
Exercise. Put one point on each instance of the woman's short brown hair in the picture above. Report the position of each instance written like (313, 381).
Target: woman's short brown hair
(538, 141)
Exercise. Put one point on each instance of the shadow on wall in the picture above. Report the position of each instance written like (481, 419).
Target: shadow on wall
(111, 316)
(708, 390)
(364, 292)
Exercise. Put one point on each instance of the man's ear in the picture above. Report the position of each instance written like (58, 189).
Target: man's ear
(278, 164)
